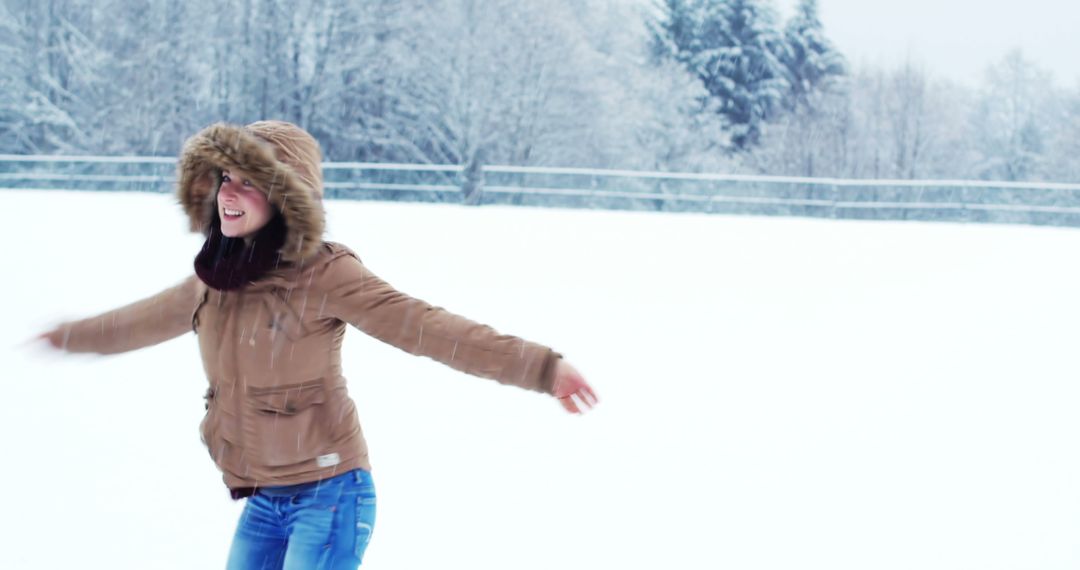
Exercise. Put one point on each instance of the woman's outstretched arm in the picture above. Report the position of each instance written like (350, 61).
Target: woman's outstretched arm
(357, 296)
(143, 323)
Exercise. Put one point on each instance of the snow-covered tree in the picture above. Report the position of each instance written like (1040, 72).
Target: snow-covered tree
(809, 136)
(157, 92)
(810, 139)
(898, 123)
(1064, 148)
(59, 71)
(515, 81)
(812, 63)
(673, 85)
(906, 124)
(362, 110)
(1010, 122)
(907, 115)
(18, 114)
(735, 49)
(674, 33)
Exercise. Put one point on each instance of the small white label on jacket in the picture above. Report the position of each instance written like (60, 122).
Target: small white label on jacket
(328, 460)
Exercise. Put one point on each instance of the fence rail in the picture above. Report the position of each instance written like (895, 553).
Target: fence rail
(944, 200)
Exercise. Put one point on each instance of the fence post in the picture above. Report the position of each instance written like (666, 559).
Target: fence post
(472, 184)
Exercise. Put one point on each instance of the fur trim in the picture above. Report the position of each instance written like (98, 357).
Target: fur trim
(223, 146)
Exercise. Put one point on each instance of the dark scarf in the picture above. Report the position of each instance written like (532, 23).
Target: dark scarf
(226, 263)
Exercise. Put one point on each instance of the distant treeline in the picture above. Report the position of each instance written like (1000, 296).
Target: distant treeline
(673, 85)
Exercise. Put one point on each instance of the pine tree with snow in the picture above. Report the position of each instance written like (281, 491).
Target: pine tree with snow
(741, 65)
(812, 63)
(735, 48)
(674, 35)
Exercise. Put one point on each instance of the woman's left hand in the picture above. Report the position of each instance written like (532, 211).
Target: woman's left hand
(571, 390)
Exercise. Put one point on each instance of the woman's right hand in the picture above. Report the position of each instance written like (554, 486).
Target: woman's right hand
(55, 338)
(570, 388)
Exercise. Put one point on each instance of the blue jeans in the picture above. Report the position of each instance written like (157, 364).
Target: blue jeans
(324, 525)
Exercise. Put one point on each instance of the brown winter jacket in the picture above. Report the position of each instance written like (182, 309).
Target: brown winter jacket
(278, 410)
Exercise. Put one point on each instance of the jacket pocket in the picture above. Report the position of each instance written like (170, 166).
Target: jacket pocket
(290, 399)
(290, 425)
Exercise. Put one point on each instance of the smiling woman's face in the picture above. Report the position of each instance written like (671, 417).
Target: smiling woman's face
(242, 207)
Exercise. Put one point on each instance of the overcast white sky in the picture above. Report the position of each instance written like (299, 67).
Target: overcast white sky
(955, 38)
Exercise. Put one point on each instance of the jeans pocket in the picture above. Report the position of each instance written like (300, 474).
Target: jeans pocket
(365, 521)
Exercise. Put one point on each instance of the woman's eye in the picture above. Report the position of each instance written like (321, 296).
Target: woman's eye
(247, 183)
(225, 178)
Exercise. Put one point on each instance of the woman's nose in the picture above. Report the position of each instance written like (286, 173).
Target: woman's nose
(227, 190)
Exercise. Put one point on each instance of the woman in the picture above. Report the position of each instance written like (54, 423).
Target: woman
(269, 302)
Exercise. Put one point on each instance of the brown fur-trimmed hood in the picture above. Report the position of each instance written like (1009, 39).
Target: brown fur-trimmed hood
(224, 146)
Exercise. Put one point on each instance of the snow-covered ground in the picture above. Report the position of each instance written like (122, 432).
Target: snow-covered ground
(776, 393)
